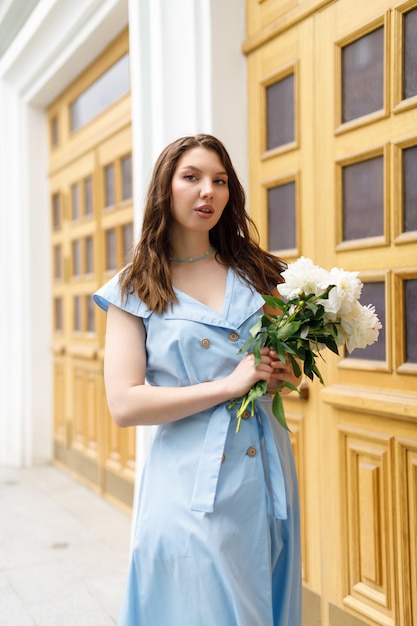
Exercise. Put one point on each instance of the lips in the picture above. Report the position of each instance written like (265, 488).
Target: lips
(204, 211)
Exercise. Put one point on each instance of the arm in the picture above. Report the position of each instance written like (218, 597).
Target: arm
(132, 402)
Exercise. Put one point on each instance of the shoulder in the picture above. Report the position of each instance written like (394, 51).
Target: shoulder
(110, 293)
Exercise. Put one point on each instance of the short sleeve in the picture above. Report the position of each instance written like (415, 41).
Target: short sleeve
(110, 293)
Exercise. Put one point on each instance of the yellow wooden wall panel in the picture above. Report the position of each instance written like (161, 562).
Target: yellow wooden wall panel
(296, 425)
(86, 440)
(368, 493)
(406, 488)
(359, 497)
(60, 425)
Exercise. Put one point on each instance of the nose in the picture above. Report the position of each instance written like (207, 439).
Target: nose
(207, 189)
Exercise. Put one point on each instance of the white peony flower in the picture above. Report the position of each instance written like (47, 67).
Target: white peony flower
(361, 326)
(302, 277)
(346, 291)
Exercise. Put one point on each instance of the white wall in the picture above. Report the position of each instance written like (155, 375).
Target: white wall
(55, 44)
(187, 76)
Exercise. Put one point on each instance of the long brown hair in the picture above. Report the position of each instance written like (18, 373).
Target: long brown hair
(235, 236)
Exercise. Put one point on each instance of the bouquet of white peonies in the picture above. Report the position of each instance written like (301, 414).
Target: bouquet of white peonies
(318, 309)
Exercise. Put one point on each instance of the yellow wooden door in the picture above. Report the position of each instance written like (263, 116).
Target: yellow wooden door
(92, 232)
(333, 162)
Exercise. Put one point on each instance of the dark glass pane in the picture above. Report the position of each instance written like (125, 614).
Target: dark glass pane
(54, 132)
(111, 86)
(76, 258)
(88, 196)
(410, 188)
(56, 211)
(111, 255)
(58, 315)
(127, 242)
(373, 293)
(280, 112)
(363, 76)
(77, 313)
(281, 217)
(363, 199)
(89, 255)
(57, 262)
(90, 315)
(109, 195)
(410, 54)
(126, 165)
(75, 201)
(410, 307)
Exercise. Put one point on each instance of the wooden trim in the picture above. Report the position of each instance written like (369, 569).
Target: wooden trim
(366, 29)
(398, 236)
(401, 366)
(357, 157)
(392, 404)
(293, 69)
(339, 617)
(282, 23)
(276, 181)
(398, 103)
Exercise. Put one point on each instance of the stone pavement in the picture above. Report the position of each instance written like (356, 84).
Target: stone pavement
(63, 551)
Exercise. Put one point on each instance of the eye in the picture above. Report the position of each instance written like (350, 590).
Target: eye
(190, 177)
(220, 181)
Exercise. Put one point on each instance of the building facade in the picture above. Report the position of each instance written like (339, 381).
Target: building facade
(316, 101)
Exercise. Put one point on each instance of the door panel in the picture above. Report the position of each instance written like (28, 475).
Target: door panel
(92, 231)
(348, 156)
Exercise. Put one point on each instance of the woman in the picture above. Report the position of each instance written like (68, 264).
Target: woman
(217, 530)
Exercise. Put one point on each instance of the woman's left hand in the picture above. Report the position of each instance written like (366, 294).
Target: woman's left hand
(283, 373)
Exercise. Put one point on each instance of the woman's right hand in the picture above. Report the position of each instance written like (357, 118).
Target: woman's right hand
(246, 374)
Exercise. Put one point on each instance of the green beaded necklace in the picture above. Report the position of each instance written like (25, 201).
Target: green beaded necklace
(198, 258)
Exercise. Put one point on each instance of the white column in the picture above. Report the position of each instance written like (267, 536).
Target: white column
(229, 121)
(56, 43)
(188, 75)
(39, 405)
(19, 299)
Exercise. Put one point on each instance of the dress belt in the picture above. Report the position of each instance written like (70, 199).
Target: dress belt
(210, 461)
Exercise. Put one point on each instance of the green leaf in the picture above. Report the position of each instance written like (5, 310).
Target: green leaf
(256, 328)
(275, 302)
(295, 366)
(267, 321)
(313, 307)
(332, 345)
(280, 348)
(308, 365)
(287, 330)
(247, 345)
(317, 373)
(256, 349)
(278, 410)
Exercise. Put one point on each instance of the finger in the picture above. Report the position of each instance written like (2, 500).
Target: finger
(279, 365)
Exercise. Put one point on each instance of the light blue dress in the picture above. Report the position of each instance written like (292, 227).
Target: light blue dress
(217, 539)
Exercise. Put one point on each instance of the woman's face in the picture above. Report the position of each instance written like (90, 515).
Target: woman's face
(199, 190)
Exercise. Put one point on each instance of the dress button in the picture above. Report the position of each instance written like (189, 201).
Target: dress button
(246, 415)
(233, 337)
(205, 343)
(223, 458)
(251, 451)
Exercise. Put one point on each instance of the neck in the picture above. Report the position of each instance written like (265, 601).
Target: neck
(193, 259)
(188, 245)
